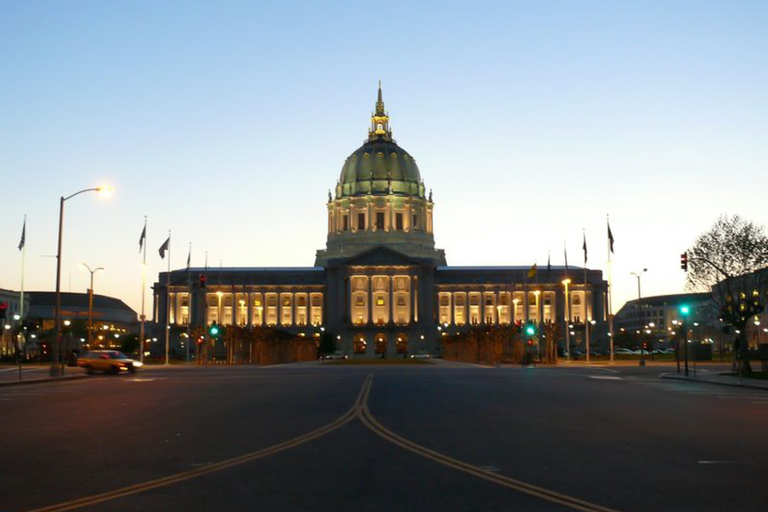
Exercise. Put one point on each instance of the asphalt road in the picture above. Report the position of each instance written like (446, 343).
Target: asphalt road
(321, 437)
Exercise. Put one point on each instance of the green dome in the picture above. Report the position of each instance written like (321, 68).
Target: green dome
(380, 167)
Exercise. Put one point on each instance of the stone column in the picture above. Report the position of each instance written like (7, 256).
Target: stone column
(391, 303)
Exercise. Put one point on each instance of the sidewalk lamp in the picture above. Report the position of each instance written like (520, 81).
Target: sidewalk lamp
(638, 275)
(90, 303)
(57, 362)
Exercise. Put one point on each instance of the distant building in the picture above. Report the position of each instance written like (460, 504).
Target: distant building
(660, 315)
(112, 318)
(12, 300)
(380, 286)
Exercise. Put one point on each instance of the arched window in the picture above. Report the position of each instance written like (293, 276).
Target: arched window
(359, 344)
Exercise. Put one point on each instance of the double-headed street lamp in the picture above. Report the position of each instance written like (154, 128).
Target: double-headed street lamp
(57, 367)
(638, 275)
(90, 303)
(567, 308)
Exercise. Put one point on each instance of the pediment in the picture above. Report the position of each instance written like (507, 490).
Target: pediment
(381, 256)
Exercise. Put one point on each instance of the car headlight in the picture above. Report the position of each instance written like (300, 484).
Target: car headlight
(137, 364)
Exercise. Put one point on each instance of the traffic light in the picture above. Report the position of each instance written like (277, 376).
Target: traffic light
(530, 330)
(684, 261)
(3, 309)
(685, 309)
(214, 331)
(203, 280)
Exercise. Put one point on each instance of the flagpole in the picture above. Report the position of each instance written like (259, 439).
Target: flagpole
(21, 295)
(143, 293)
(168, 302)
(586, 302)
(610, 289)
(567, 306)
(189, 299)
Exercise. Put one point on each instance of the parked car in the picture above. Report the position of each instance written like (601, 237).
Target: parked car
(110, 361)
(334, 356)
(421, 355)
(624, 351)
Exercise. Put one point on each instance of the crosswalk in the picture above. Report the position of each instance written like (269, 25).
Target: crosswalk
(21, 392)
(704, 390)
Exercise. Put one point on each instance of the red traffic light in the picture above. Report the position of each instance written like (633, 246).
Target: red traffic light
(203, 280)
(684, 262)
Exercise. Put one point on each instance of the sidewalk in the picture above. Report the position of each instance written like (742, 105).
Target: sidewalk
(719, 379)
(9, 376)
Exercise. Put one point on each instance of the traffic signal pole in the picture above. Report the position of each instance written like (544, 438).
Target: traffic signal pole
(685, 342)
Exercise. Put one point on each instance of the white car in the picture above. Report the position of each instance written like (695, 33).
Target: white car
(623, 351)
(421, 355)
(334, 356)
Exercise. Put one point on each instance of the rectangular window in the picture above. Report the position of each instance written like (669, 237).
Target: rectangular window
(344, 223)
(379, 220)
(361, 221)
(399, 221)
(415, 223)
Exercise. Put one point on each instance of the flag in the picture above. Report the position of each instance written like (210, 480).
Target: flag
(189, 256)
(549, 267)
(610, 237)
(585, 248)
(164, 247)
(532, 271)
(143, 237)
(565, 252)
(23, 234)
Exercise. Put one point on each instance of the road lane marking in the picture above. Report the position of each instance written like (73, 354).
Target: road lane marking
(604, 377)
(211, 468)
(562, 499)
(603, 369)
(726, 462)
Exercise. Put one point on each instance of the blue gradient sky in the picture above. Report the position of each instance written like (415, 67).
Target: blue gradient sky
(227, 122)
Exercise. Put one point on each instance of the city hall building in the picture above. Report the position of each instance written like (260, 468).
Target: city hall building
(380, 286)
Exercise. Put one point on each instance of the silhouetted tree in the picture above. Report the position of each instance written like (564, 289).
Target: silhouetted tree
(727, 261)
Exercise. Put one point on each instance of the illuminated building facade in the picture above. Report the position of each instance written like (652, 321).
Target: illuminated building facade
(380, 286)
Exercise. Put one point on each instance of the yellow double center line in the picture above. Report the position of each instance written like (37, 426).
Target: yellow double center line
(555, 497)
(194, 473)
(358, 410)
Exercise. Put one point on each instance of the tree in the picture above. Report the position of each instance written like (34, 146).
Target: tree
(728, 261)
(129, 344)
(327, 343)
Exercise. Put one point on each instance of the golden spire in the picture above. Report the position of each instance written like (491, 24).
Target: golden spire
(380, 121)
(380, 104)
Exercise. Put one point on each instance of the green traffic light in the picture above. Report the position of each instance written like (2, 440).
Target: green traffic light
(530, 330)
(214, 330)
(685, 310)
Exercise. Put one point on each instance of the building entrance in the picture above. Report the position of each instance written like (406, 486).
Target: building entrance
(359, 344)
(381, 344)
(402, 343)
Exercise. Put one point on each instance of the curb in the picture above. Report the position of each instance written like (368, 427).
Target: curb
(42, 381)
(674, 376)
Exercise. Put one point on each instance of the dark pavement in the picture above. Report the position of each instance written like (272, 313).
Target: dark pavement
(446, 437)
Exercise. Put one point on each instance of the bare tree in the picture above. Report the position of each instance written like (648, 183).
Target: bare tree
(728, 261)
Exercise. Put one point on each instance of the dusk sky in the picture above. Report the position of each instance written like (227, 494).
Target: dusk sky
(227, 123)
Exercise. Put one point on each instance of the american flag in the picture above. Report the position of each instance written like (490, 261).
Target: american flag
(23, 234)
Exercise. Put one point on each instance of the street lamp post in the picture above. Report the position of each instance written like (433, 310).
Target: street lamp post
(90, 304)
(638, 275)
(567, 308)
(57, 362)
